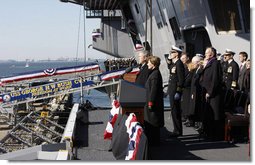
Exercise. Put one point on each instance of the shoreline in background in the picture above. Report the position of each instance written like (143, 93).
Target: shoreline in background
(10, 68)
(49, 60)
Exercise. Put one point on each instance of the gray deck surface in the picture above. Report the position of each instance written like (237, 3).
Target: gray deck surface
(187, 147)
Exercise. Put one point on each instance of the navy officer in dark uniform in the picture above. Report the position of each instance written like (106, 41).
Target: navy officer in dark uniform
(231, 74)
(175, 85)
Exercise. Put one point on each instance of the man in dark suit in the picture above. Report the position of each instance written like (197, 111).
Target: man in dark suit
(210, 81)
(246, 81)
(231, 74)
(243, 56)
(175, 85)
(144, 72)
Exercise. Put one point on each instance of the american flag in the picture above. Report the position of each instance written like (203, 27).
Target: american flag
(112, 119)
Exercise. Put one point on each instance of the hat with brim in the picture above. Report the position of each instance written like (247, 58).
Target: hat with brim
(176, 48)
(228, 51)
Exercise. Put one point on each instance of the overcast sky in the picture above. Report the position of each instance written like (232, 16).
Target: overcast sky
(42, 29)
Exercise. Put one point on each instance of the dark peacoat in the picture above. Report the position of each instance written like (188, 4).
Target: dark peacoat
(154, 94)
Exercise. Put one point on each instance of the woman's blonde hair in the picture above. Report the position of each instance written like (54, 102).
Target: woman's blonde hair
(195, 60)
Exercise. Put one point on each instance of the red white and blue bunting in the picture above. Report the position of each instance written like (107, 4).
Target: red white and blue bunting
(48, 72)
(112, 119)
(134, 131)
(116, 74)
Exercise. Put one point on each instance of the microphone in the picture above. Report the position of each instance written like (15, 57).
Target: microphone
(129, 69)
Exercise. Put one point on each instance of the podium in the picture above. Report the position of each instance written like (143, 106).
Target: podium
(132, 99)
(130, 77)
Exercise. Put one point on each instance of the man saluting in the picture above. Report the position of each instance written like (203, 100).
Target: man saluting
(175, 85)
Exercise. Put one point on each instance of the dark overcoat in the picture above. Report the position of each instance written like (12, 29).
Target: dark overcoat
(210, 81)
(246, 82)
(195, 96)
(154, 94)
(186, 93)
(143, 75)
(241, 77)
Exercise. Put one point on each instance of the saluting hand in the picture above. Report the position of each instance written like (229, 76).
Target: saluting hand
(177, 96)
(207, 96)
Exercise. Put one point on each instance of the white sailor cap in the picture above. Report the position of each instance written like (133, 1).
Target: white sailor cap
(176, 48)
(218, 53)
(228, 51)
(200, 55)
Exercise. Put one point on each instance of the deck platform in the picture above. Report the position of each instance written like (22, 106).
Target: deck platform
(92, 146)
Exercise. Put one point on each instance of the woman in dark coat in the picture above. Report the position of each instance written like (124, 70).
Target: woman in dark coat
(186, 96)
(154, 108)
(195, 109)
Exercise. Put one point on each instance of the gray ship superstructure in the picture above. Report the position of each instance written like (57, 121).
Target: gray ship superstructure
(158, 24)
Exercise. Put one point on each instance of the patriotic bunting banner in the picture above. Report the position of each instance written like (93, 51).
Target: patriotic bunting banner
(134, 131)
(48, 72)
(116, 74)
(112, 119)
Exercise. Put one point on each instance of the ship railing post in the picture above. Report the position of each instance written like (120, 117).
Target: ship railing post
(81, 90)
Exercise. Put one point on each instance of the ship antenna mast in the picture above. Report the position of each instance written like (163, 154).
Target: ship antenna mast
(148, 5)
(151, 23)
(77, 53)
(85, 50)
(84, 26)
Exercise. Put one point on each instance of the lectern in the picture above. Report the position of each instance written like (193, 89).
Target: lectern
(132, 99)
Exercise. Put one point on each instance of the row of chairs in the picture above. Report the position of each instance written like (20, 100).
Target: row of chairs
(237, 117)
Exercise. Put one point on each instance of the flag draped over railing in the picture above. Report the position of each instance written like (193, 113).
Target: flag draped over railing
(134, 131)
(112, 119)
(48, 73)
